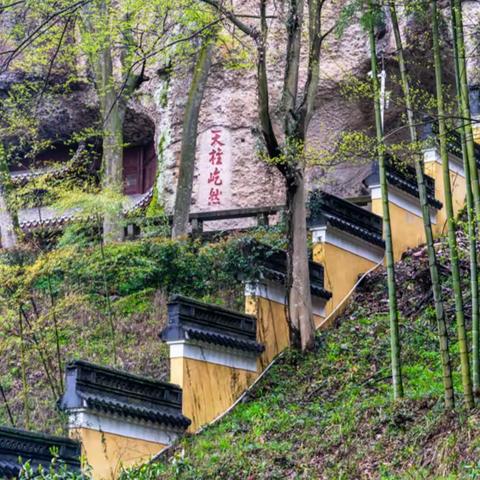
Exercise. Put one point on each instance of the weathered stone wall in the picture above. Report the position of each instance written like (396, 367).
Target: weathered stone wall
(230, 104)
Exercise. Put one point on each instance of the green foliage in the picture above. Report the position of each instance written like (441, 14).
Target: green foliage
(327, 413)
(81, 294)
(355, 10)
(57, 470)
(180, 266)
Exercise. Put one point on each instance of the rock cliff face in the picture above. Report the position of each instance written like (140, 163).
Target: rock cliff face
(230, 106)
(229, 110)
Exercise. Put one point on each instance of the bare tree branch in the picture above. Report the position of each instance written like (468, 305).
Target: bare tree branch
(235, 19)
(46, 25)
(269, 136)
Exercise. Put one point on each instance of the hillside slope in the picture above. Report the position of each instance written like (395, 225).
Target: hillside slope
(329, 414)
(62, 297)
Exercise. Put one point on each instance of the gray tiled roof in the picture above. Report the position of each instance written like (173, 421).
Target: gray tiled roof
(19, 446)
(272, 265)
(325, 208)
(108, 390)
(191, 319)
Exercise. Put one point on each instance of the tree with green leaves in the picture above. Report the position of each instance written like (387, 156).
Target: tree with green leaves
(287, 151)
(120, 41)
(423, 197)
(451, 223)
(109, 40)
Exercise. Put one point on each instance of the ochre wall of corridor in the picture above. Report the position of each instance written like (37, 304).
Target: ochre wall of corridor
(208, 389)
(108, 453)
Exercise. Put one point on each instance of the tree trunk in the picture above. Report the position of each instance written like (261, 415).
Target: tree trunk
(432, 256)
(183, 196)
(298, 285)
(112, 99)
(295, 122)
(471, 179)
(298, 278)
(392, 293)
(8, 215)
(452, 240)
(113, 113)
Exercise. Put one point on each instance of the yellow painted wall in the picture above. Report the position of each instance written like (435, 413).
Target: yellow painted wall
(208, 389)
(272, 327)
(107, 453)
(434, 169)
(407, 228)
(342, 270)
(476, 133)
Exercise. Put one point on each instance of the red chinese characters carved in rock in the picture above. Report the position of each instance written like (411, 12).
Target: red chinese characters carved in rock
(216, 161)
(214, 177)
(214, 196)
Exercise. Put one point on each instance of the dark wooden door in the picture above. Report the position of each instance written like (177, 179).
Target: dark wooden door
(150, 167)
(133, 170)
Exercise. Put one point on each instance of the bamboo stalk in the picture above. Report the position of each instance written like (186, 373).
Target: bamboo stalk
(432, 256)
(23, 367)
(471, 180)
(392, 293)
(457, 22)
(452, 240)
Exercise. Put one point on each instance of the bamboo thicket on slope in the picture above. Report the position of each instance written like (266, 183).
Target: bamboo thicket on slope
(422, 190)
(451, 224)
(392, 290)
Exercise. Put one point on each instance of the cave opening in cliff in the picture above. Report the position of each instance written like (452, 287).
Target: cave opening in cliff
(139, 156)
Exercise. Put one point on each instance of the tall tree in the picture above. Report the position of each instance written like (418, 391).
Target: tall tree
(183, 196)
(451, 224)
(372, 16)
(115, 82)
(471, 178)
(422, 190)
(287, 153)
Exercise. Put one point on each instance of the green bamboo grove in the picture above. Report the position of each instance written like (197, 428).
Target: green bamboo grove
(468, 353)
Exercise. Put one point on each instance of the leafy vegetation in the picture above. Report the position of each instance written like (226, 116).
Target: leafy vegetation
(103, 304)
(57, 470)
(329, 413)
